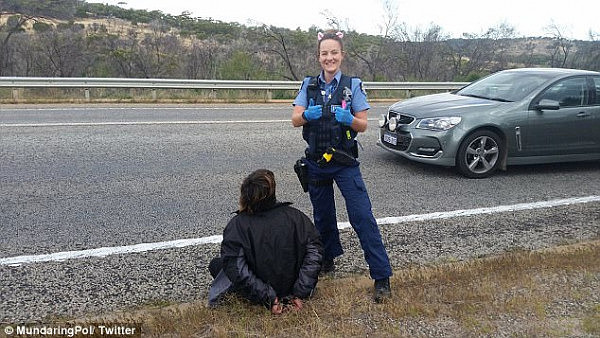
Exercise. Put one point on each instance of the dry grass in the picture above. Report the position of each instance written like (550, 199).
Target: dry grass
(545, 293)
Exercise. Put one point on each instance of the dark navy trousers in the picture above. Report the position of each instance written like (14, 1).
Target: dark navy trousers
(358, 205)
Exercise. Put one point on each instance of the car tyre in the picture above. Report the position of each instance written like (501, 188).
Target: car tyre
(480, 154)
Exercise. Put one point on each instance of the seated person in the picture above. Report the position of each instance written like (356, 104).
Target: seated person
(271, 252)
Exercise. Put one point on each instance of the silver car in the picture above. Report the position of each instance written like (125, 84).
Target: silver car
(517, 116)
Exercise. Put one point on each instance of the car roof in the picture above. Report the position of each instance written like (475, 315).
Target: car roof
(555, 71)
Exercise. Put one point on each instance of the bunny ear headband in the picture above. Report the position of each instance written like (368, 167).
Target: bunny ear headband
(320, 35)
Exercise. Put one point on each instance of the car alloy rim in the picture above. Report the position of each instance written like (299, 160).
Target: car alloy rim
(482, 154)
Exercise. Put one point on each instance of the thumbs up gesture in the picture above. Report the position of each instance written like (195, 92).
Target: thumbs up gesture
(313, 112)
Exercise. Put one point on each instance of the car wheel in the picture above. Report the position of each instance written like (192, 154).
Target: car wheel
(480, 154)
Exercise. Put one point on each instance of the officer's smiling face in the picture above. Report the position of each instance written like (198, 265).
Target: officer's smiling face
(330, 56)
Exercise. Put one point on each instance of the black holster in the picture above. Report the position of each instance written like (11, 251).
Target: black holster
(301, 170)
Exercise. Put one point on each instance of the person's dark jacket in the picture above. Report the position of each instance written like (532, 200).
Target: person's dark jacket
(273, 253)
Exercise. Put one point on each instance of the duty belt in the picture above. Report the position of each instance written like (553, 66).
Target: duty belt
(333, 155)
(314, 157)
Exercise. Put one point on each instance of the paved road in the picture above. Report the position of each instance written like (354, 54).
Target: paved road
(75, 178)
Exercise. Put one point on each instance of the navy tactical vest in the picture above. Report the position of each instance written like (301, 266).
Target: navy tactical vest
(327, 131)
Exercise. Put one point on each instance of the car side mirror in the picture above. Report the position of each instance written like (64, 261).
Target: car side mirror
(546, 104)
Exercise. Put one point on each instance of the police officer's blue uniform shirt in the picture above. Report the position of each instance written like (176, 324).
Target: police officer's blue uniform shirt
(359, 96)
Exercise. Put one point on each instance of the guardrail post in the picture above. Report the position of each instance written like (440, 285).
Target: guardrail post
(213, 94)
(87, 94)
(269, 95)
(15, 94)
(154, 96)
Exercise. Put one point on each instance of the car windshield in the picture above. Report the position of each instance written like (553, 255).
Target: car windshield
(505, 86)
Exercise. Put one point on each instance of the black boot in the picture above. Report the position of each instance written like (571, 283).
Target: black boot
(382, 290)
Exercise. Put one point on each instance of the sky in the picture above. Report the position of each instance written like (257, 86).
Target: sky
(574, 18)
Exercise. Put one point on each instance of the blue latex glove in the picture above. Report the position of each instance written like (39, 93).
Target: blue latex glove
(344, 116)
(312, 112)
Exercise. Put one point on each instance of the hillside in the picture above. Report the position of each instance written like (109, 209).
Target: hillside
(75, 38)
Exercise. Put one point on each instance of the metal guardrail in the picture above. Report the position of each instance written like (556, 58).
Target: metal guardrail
(75, 82)
(86, 83)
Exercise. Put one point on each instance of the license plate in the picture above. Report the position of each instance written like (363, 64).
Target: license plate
(391, 139)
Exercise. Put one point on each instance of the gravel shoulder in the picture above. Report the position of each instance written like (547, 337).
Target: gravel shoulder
(45, 292)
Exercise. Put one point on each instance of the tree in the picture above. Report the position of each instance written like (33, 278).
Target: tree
(290, 47)
(378, 53)
(587, 54)
(560, 48)
(62, 52)
(528, 53)
(14, 24)
(201, 60)
(60, 9)
(593, 52)
(241, 66)
(23, 61)
(158, 55)
(479, 54)
(424, 53)
(121, 51)
(27, 10)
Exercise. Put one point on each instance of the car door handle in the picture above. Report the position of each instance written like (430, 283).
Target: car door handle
(583, 114)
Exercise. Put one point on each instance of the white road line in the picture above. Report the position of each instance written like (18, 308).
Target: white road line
(135, 123)
(479, 211)
(107, 251)
(152, 108)
(242, 107)
(180, 243)
(131, 123)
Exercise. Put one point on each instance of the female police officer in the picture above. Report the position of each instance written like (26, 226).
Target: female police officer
(332, 109)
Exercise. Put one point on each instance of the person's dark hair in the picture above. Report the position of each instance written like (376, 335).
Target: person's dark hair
(257, 192)
(330, 35)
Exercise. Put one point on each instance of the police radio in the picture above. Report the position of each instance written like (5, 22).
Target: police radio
(347, 97)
